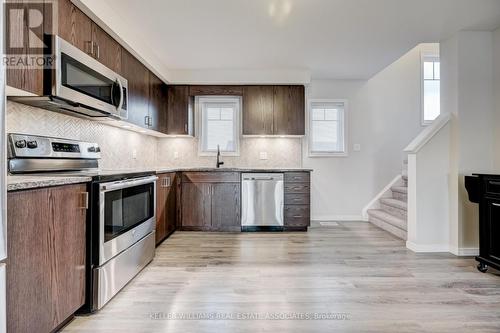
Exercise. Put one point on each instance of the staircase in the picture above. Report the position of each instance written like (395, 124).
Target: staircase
(392, 212)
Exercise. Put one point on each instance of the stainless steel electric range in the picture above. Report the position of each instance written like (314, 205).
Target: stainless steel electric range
(121, 217)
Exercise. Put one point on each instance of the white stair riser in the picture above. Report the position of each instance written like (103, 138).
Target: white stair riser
(388, 227)
(394, 211)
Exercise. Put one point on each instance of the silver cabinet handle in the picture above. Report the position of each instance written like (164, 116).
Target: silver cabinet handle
(494, 183)
(186, 128)
(146, 120)
(90, 47)
(495, 204)
(297, 216)
(85, 200)
(98, 53)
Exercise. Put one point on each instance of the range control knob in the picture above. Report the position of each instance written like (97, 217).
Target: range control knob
(32, 144)
(97, 149)
(91, 149)
(21, 143)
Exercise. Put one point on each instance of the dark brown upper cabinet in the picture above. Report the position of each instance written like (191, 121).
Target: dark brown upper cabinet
(105, 49)
(74, 26)
(258, 110)
(180, 111)
(215, 90)
(137, 76)
(19, 37)
(274, 110)
(157, 104)
(289, 110)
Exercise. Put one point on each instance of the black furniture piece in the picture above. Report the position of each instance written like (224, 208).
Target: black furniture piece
(485, 190)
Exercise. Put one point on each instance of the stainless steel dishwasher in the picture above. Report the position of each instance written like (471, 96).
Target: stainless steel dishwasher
(262, 196)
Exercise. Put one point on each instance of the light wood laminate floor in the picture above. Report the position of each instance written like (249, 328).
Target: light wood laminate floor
(355, 270)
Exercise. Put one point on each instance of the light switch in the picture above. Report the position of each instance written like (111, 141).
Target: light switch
(134, 154)
(356, 147)
(263, 155)
(176, 155)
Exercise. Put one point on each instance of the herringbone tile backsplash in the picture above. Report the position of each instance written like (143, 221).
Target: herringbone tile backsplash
(118, 144)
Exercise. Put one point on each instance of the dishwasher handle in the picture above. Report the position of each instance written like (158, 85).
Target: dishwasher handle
(263, 177)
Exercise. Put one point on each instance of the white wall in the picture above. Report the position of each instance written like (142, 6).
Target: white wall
(384, 116)
(467, 81)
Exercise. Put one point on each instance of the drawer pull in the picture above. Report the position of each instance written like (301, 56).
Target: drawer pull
(495, 204)
(494, 183)
(297, 216)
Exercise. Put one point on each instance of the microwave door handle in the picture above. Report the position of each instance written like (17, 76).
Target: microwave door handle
(121, 94)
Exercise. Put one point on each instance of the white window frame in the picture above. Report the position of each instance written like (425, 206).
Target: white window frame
(343, 153)
(423, 57)
(199, 101)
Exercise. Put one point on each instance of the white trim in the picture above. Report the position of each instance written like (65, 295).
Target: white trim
(237, 122)
(341, 218)
(344, 153)
(384, 193)
(427, 134)
(465, 251)
(427, 248)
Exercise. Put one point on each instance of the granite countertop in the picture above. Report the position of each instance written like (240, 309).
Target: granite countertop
(24, 182)
(21, 182)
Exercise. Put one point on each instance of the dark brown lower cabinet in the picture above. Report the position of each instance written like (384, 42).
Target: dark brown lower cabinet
(166, 208)
(297, 201)
(211, 201)
(46, 257)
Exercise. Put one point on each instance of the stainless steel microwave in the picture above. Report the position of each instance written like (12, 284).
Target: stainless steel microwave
(79, 84)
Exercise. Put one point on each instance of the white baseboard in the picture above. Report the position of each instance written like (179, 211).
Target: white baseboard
(342, 218)
(427, 248)
(465, 251)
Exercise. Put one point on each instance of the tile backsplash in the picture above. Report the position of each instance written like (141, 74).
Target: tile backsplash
(118, 144)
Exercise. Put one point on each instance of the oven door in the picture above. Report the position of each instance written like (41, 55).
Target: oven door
(127, 213)
(83, 80)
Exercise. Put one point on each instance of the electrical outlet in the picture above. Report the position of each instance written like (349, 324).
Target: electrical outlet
(356, 147)
(176, 155)
(134, 154)
(263, 155)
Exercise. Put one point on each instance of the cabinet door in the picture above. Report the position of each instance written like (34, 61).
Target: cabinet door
(490, 231)
(161, 209)
(46, 262)
(138, 89)
(226, 202)
(258, 110)
(157, 104)
(18, 39)
(74, 26)
(196, 206)
(67, 231)
(179, 111)
(106, 50)
(289, 110)
(166, 209)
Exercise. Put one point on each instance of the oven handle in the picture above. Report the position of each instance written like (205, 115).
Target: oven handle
(127, 183)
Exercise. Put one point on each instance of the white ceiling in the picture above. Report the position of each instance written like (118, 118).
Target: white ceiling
(341, 39)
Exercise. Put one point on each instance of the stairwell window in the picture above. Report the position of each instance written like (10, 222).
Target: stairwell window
(430, 88)
(219, 119)
(327, 128)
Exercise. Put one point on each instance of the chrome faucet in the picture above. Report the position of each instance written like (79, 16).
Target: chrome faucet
(219, 162)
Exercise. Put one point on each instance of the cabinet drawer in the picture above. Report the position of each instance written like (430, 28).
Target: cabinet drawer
(297, 215)
(296, 199)
(297, 177)
(493, 187)
(211, 177)
(297, 188)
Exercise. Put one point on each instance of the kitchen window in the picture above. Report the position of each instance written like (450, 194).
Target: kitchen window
(219, 119)
(327, 128)
(430, 88)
